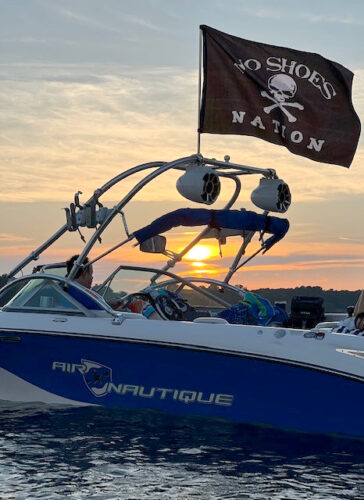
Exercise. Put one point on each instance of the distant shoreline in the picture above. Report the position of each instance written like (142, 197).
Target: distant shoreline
(334, 300)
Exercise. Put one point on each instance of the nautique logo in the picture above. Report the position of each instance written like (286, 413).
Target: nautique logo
(99, 380)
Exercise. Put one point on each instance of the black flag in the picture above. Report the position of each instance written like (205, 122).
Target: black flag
(297, 99)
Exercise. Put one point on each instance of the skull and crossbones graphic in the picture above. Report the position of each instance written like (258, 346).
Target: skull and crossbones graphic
(282, 87)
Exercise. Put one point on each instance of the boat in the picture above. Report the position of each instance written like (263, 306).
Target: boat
(63, 344)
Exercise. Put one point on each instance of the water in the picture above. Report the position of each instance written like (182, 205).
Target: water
(94, 453)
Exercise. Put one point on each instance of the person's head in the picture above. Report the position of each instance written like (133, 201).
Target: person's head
(350, 311)
(84, 275)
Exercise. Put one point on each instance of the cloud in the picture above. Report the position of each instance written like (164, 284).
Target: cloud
(295, 15)
(82, 19)
(108, 19)
(60, 123)
(69, 127)
(290, 263)
(12, 238)
(139, 21)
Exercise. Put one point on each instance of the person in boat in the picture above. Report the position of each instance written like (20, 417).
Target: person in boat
(354, 323)
(84, 277)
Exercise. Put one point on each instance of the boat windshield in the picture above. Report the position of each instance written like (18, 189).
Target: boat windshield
(46, 293)
(228, 293)
(40, 294)
(10, 291)
(124, 282)
(128, 280)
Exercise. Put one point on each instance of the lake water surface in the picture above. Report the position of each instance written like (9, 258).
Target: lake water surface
(95, 453)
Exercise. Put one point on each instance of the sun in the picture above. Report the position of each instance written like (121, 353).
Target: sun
(199, 252)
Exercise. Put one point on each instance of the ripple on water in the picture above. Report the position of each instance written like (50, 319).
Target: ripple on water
(94, 453)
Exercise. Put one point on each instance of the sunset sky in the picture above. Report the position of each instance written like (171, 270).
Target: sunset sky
(90, 88)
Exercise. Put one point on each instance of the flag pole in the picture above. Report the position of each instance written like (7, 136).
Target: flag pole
(199, 93)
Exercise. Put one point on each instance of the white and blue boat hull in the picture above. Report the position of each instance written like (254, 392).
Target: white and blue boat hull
(305, 383)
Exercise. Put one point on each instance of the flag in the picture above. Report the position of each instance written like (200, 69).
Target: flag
(297, 99)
